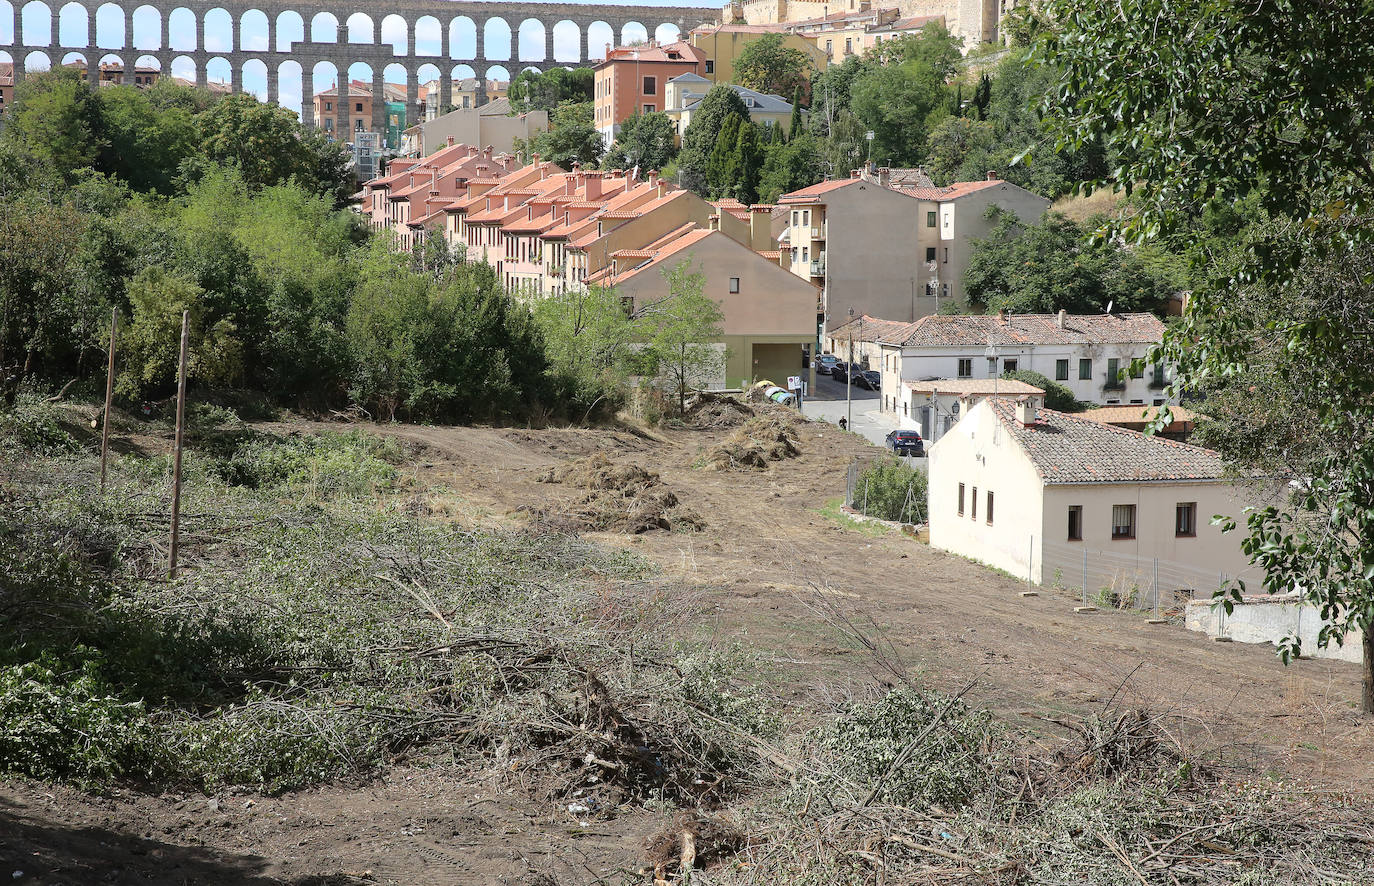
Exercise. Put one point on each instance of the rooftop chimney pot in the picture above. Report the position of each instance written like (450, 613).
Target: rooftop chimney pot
(1063, 314)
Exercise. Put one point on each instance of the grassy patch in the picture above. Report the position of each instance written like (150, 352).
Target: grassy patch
(833, 510)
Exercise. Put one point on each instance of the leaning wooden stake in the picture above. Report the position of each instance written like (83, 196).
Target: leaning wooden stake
(176, 456)
(109, 395)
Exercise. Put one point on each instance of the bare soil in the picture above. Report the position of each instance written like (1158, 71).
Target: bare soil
(764, 555)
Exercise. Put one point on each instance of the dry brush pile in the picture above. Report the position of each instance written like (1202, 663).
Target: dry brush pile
(765, 438)
(619, 497)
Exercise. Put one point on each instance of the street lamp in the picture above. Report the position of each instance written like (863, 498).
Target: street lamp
(992, 354)
(849, 376)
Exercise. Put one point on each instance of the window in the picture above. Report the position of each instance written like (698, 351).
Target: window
(930, 253)
(946, 255)
(648, 109)
(806, 254)
(1009, 366)
(329, 106)
(989, 517)
(930, 221)
(734, 284)
(1075, 522)
(1061, 370)
(1085, 369)
(358, 106)
(1113, 373)
(806, 217)
(1185, 519)
(944, 290)
(795, 216)
(1137, 371)
(848, 46)
(829, 47)
(966, 367)
(961, 499)
(1123, 521)
(974, 504)
(650, 85)
(710, 66)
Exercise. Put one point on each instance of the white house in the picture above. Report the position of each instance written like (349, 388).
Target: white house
(1068, 500)
(1090, 354)
(932, 407)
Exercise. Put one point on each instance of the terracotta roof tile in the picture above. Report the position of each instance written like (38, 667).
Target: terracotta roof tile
(1136, 414)
(1004, 386)
(1069, 449)
(980, 330)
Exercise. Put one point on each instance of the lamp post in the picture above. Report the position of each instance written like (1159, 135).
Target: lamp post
(849, 376)
(992, 354)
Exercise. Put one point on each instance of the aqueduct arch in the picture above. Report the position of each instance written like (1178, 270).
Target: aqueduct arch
(454, 17)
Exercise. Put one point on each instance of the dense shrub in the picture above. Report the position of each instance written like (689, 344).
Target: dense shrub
(354, 464)
(889, 489)
(33, 426)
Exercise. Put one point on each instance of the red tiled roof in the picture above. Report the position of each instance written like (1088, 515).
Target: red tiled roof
(1008, 386)
(654, 52)
(1069, 449)
(872, 329)
(1136, 414)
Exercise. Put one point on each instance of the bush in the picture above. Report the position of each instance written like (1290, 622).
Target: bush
(949, 766)
(69, 724)
(350, 465)
(32, 426)
(889, 489)
(1057, 397)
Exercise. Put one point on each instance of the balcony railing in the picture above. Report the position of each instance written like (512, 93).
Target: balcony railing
(818, 269)
(818, 231)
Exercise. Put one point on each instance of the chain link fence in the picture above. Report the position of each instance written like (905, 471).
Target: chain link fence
(887, 487)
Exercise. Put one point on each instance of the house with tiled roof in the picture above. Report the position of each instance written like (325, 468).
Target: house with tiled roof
(1057, 497)
(685, 93)
(633, 80)
(1090, 354)
(888, 243)
(767, 312)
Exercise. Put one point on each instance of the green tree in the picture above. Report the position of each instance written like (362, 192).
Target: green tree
(767, 66)
(151, 341)
(55, 119)
(720, 166)
(899, 103)
(42, 299)
(572, 137)
(588, 339)
(953, 141)
(645, 140)
(794, 126)
(1057, 396)
(684, 329)
(831, 93)
(1215, 102)
(700, 136)
(790, 167)
(547, 91)
(1048, 266)
(746, 166)
(143, 144)
(267, 144)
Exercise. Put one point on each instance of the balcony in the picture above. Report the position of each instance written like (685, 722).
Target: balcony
(818, 231)
(818, 268)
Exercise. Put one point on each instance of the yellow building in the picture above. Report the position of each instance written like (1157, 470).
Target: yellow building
(722, 44)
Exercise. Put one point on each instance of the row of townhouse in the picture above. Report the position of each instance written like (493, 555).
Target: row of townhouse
(889, 243)
(549, 233)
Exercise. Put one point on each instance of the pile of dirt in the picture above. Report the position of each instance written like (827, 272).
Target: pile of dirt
(621, 497)
(708, 411)
(763, 439)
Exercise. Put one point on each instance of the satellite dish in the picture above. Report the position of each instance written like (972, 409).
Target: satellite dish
(1109, 306)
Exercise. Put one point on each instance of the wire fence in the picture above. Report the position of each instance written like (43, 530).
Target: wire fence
(907, 506)
(1127, 580)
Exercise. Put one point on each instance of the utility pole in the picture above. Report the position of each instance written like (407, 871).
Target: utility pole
(849, 376)
(109, 395)
(176, 453)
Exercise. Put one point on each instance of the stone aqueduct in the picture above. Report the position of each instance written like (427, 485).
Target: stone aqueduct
(309, 52)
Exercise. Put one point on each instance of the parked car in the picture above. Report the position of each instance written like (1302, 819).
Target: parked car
(906, 443)
(825, 363)
(840, 371)
(869, 378)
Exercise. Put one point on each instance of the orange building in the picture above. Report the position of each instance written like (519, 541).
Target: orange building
(632, 80)
(360, 110)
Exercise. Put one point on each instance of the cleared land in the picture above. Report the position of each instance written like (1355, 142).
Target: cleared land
(774, 572)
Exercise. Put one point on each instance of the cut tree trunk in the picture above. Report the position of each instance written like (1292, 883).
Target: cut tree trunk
(1368, 701)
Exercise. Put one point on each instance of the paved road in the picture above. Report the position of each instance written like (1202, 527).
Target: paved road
(827, 403)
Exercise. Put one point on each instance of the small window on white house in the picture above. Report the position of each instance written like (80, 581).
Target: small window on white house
(1075, 522)
(734, 284)
(1185, 519)
(1123, 521)
(966, 367)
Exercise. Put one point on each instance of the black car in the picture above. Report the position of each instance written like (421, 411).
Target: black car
(840, 371)
(906, 443)
(825, 363)
(869, 378)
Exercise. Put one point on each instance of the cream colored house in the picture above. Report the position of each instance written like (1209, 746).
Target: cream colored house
(1090, 354)
(1067, 500)
(723, 43)
(933, 407)
(492, 125)
(891, 251)
(684, 93)
(767, 312)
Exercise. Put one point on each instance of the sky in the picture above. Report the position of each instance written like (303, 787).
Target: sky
(509, 48)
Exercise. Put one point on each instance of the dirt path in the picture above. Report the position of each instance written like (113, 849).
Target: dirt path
(764, 553)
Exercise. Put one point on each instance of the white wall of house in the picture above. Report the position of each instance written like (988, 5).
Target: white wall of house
(980, 455)
(945, 410)
(945, 362)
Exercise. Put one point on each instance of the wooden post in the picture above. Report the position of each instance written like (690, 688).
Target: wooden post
(176, 456)
(109, 395)
(1368, 700)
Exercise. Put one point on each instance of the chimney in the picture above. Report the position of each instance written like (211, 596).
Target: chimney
(452, 141)
(653, 178)
(854, 173)
(1002, 315)
(713, 222)
(885, 176)
(1063, 314)
(593, 187)
(992, 175)
(761, 230)
(1025, 411)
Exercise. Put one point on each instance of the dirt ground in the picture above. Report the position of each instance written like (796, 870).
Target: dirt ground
(764, 558)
